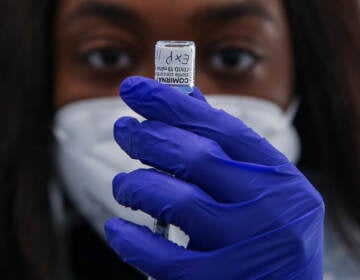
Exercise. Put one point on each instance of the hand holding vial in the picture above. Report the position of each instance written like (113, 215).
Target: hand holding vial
(233, 193)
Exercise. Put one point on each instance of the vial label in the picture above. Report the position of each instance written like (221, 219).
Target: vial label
(175, 63)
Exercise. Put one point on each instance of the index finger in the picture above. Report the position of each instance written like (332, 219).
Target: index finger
(156, 101)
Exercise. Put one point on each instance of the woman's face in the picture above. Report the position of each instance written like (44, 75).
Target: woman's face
(243, 46)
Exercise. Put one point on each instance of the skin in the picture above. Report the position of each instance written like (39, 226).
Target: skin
(244, 50)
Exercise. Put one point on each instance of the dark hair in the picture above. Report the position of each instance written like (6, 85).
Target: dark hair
(326, 42)
(26, 247)
(326, 47)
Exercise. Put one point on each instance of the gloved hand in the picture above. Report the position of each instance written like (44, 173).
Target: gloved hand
(249, 212)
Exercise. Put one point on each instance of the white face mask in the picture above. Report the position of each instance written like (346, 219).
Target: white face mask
(266, 118)
(87, 157)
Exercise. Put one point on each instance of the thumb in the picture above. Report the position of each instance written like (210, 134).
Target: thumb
(139, 247)
(196, 93)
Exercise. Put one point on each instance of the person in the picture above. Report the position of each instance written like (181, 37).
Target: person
(289, 54)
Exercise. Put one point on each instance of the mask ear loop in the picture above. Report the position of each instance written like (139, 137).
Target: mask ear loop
(293, 108)
(290, 115)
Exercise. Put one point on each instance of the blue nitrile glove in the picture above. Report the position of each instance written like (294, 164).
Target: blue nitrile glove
(249, 212)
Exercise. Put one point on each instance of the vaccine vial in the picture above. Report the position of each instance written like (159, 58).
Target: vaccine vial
(175, 64)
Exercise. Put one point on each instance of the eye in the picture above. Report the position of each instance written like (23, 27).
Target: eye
(234, 60)
(108, 59)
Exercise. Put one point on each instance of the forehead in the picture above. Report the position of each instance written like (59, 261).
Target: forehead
(173, 11)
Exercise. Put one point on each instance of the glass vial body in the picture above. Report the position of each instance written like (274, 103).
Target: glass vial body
(175, 64)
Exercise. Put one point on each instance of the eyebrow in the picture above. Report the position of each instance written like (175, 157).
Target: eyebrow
(217, 14)
(226, 13)
(111, 12)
